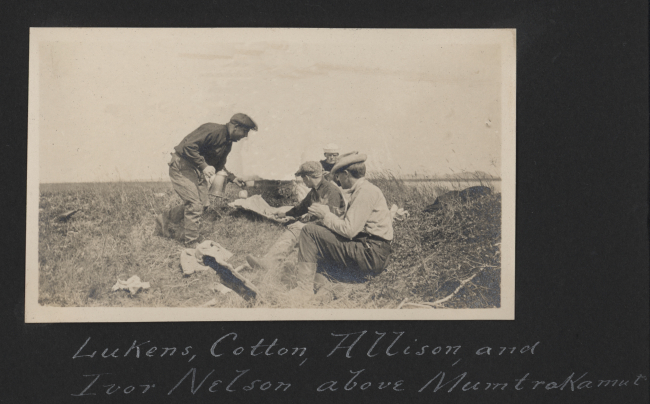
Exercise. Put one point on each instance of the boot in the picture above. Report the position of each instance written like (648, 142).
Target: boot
(323, 289)
(326, 290)
(175, 215)
(321, 281)
(305, 273)
(162, 225)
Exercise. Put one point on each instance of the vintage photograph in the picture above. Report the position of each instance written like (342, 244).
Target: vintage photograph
(270, 174)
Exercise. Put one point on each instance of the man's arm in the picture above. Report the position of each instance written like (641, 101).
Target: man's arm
(355, 218)
(302, 207)
(191, 145)
(221, 165)
(220, 149)
(336, 202)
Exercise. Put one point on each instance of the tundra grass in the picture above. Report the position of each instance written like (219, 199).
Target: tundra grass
(113, 236)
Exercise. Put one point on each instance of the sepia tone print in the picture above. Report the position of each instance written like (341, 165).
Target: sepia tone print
(270, 174)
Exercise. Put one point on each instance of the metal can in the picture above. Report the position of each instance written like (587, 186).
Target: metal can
(218, 184)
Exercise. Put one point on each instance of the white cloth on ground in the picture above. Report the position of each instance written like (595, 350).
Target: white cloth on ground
(133, 285)
(398, 213)
(192, 259)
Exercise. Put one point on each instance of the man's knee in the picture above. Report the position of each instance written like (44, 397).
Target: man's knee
(295, 230)
(307, 250)
(308, 230)
(311, 231)
(317, 229)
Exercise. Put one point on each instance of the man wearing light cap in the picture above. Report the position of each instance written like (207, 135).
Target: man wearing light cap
(196, 159)
(352, 248)
(321, 192)
(331, 152)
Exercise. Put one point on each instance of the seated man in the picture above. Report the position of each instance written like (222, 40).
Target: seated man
(331, 152)
(352, 248)
(321, 192)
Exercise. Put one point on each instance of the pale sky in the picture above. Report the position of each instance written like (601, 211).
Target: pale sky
(112, 103)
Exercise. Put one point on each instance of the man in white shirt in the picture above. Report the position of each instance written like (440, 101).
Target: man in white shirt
(353, 248)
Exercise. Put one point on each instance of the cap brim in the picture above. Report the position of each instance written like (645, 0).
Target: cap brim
(347, 161)
(254, 127)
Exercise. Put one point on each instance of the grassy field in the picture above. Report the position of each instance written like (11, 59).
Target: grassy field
(113, 236)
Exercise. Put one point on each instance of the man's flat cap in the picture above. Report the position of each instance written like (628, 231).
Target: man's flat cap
(243, 120)
(311, 168)
(348, 160)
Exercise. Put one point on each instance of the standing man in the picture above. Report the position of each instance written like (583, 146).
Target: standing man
(321, 191)
(196, 159)
(355, 247)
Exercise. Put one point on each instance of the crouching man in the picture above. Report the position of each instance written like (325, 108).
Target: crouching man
(196, 159)
(353, 248)
(321, 191)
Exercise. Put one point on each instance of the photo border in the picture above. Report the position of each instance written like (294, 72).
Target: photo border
(35, 313)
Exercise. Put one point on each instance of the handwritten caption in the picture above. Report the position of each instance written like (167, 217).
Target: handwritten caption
(450, 377)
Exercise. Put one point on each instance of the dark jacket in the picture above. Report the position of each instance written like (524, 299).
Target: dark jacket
(326, 193)
(328, 168)
(207, 145)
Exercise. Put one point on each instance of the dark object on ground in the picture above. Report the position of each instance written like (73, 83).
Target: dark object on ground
(458, 196)
(231, 279)
(66, 216)
(276, 193)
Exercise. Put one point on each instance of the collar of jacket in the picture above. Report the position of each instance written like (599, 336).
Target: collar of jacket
(357, 184)
(321, 183)
(228, 134)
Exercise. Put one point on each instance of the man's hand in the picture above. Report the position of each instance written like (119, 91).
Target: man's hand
(305, 218)
(209, 171)
(280, 215)
(319, 210)
(239, 182)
